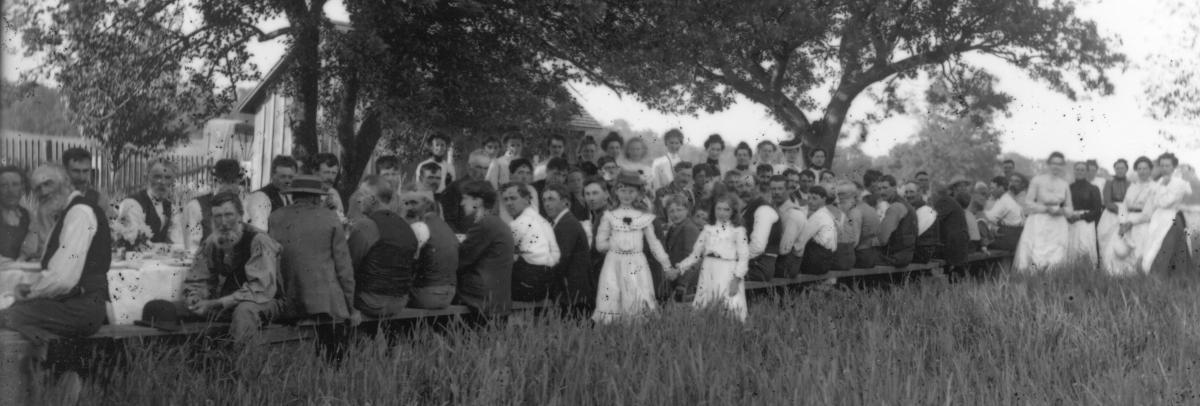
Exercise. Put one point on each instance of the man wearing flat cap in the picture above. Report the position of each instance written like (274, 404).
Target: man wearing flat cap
(315, 267)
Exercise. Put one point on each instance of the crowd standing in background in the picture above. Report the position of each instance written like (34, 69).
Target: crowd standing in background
(607, 232)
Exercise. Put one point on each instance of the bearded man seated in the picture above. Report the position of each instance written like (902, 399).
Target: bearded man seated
(235, 276)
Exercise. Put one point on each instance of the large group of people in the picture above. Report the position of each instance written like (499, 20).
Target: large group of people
(607, 232)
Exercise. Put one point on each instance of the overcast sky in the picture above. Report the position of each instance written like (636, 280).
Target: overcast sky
(1104, 128)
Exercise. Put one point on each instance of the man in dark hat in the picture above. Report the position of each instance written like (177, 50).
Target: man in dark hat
(68, 298)
(317, 275)
(152, 207)
(235, 275)
(227, 177)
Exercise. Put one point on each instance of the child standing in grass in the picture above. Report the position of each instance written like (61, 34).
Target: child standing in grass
(725, 252)
(626, 289)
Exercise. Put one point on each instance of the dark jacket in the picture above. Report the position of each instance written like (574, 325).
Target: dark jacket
(679, 241)
(485, 261)
(438, 265)
(952, 230)
(575, 264)
(314, 266)
(1086, 196)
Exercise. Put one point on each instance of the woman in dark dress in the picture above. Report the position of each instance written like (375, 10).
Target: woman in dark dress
(14, 219)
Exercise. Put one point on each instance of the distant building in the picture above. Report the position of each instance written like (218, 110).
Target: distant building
(272, 130)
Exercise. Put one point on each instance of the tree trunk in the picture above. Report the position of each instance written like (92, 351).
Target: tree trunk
(307, 75)
(357, 152)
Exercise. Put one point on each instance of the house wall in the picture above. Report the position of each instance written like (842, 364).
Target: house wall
(272, 136)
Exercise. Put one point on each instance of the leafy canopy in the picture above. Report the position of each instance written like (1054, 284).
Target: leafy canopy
(807, 60)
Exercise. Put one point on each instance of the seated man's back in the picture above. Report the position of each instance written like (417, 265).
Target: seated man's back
(383, 274)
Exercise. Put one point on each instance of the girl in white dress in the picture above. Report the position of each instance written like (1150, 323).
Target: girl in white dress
(725, 252)
(1123, 250)
(1044, 241)
(626, 289)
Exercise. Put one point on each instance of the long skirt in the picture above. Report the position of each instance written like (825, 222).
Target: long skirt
(1121, 255)
(1106, 232)
(626, 289)
(1082, 248)
(1171, 256)
(712, 289)
(1192, 216)
(1043, 243)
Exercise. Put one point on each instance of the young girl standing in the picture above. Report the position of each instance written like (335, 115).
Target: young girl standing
(725, 252)
(626, 289)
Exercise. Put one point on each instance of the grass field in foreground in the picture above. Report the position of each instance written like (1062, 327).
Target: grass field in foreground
(1071, 338)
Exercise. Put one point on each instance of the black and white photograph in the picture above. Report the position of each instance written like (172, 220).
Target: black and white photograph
(600, 202)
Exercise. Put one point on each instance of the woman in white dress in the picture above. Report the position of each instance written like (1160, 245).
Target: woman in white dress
(724, 254)
(626, 289)
(1044, 241)
(1165, 250)
(1122, 252)
(635, 160)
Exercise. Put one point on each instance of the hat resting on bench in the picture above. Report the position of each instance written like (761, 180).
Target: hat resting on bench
(160, 314)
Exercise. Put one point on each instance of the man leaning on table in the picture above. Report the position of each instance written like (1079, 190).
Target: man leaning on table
(235, 275)
(68, 298)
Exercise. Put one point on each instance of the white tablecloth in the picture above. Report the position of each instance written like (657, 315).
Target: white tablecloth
(130, 285)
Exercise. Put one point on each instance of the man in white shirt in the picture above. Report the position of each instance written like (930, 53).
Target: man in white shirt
(264, 201)
(818, 239)
(663, 167)
(763, 228)
(438, 145)
(152, 207)
(68, 298)
(792, 216)
(1009, 217)
(537, 250)
(499, 173)
(197, 214)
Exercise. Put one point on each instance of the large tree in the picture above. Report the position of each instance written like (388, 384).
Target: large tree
(140, 75)
(418, 67)
(697, 55)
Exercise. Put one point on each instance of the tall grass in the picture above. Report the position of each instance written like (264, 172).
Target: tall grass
(1070, 338)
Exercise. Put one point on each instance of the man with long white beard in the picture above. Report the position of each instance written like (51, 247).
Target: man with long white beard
(236, 273)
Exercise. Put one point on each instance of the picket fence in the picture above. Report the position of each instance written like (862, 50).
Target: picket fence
(27, 151)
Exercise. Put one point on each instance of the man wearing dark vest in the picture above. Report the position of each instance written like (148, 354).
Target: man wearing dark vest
(152, 206)
(78, 162)
(197, 214)
(382, 249)
(898, 228)
(762, 227)
(69, 297)
(235, 276)
(437, 256)
(263, 202)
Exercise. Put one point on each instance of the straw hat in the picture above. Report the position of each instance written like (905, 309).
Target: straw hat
(630, 178)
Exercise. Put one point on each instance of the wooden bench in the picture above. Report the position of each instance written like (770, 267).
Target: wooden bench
(15, 350)
(856, 272)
